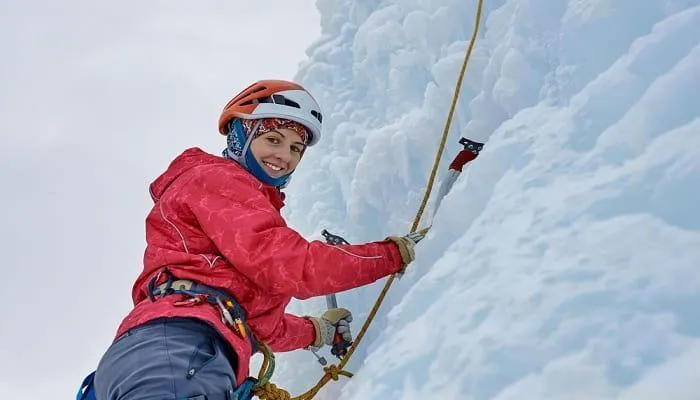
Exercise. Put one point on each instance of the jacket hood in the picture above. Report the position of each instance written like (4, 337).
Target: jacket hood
(195, 157)
(189, 159)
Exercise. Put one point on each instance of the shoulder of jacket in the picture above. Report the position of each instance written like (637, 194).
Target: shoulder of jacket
(223, 174)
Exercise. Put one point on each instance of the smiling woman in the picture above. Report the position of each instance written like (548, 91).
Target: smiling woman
(221, 265)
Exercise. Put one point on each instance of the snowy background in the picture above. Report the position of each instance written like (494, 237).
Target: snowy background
(564, 264)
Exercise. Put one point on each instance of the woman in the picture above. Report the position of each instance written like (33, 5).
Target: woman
(221, 264)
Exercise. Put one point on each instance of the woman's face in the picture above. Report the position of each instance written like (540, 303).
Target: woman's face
(278, 151)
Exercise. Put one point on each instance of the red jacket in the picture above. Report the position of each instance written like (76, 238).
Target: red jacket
(215, 223)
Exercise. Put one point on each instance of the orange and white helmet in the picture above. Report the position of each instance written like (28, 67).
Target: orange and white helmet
(275, 99)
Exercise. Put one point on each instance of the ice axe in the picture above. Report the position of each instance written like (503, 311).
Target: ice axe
(469, 152)
(340, 345)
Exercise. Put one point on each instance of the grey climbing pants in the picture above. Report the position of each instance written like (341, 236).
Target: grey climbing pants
(167, 359)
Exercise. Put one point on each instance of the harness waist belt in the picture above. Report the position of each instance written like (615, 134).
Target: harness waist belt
(232, 314)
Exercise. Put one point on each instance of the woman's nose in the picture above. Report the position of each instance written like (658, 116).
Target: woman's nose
(284, 155)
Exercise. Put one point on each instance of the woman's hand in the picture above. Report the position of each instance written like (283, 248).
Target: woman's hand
(335, 321)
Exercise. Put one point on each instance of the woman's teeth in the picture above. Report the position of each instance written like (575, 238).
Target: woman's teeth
(272, 166)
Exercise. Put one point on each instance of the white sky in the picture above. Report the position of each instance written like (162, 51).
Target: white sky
(95, 99)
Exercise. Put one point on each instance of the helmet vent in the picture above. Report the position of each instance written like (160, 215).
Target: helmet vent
(317, 115)
(253, 91)
(279, 99)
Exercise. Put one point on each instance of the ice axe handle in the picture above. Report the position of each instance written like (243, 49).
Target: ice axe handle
(340, 345)
(333, 240)
(331, 301)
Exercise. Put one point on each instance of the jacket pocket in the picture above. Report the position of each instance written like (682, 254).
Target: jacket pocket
(203, 354)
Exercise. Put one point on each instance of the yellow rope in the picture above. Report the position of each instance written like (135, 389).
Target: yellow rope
(332, 372)
(450, 114)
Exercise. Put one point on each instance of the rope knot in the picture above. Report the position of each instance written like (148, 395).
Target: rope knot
(333, 371)
(269, 391)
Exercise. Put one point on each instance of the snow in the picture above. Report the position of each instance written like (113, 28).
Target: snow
(564, 263)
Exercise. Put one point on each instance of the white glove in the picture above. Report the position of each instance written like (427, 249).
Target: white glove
(332, 322)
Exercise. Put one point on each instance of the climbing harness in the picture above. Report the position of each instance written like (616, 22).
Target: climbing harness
(232, 314)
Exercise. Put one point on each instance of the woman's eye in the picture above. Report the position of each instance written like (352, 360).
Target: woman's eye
(273, 139)
(297, 149)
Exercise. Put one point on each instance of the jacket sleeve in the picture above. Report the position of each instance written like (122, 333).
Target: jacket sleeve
(292, 333)
(252, 235)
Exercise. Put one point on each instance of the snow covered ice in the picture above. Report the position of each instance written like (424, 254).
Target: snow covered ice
(565, 263)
